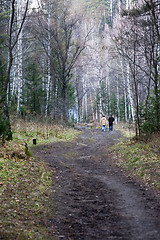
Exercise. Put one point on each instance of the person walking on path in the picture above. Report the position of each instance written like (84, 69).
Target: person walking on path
(103, 123)
(111, 120)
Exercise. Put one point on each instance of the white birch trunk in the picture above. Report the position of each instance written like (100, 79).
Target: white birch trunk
(96, 114)
(118, 107)
(100, 99)
(19, 74)
(14, 77)
(108, 92)
(125, 104)
(131, 109)
(13, 70)
(92, 107)
(125, 94)
(86, 95)
(77, 108)
(77, 95)
(94, 89)
(85, 83)
(49, 62)
(111, 8)
(83, 104)
(43, 73)
(129, 3)
(20, 5)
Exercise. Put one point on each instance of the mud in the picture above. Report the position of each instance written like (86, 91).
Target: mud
(94, 198)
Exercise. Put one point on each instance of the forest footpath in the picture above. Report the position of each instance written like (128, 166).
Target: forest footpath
(94, 199)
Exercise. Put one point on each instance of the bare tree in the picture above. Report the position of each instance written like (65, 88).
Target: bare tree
(65, 47)
(11, 43)
(138, 44)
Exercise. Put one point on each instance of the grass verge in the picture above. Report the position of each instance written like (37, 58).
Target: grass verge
(26, 184)
(43, 133)
(141, 159)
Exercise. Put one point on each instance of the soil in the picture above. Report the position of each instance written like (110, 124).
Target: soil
(94, 198)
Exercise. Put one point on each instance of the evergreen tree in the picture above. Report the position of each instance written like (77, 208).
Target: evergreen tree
(34, 95)
(71, 95)
(5, 130)
(149, 113)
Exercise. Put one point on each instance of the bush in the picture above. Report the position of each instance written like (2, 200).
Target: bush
(151, 115)
(5, 131)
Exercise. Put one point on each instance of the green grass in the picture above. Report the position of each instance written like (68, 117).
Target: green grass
(139, 159)
(26, 132)
(26, 182)
(24, 188)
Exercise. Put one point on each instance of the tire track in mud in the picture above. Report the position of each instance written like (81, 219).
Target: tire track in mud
(94, 199)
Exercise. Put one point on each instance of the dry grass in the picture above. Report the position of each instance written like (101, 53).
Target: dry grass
(154, 142)
(24, 188)
(141, 159)
(43, 133)
(126, 129)
(26, 182)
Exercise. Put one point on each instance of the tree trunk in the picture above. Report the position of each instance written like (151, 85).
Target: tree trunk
(131, 109)
(19, 56)
(157, 96)
(93, 118)
(64, 98)
(125, 94)
(85, 100)
(118, 107)
(108, 95)
(11, 46)
(49, 57)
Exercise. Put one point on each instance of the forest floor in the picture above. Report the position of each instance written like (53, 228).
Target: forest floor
(93, 198)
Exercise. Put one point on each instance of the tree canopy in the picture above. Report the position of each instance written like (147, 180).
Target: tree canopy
(80, 57)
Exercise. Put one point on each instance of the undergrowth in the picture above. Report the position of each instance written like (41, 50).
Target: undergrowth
(26, 182)
(141, 158)
(126, 129)
(43, 133)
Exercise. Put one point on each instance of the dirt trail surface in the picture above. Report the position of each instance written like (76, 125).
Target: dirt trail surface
(94, 199)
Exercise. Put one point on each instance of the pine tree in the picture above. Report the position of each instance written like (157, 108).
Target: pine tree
(33, 95)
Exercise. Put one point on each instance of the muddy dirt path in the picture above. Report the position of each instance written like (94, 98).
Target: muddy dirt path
(94, 199)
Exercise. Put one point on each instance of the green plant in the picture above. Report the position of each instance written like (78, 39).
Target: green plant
(140, 159)
(151, 115)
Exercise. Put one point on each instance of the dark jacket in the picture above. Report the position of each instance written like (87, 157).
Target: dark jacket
(111, 120)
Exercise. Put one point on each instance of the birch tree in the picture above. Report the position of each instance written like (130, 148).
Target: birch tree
(18, 63)
(11, 43)
(65, 49)
(138, 44)
(49, 56)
